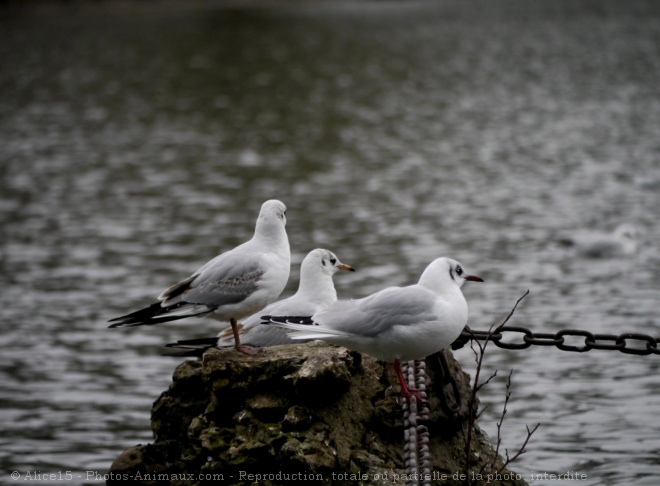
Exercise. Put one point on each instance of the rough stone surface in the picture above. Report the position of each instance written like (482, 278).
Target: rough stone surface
(296, 410)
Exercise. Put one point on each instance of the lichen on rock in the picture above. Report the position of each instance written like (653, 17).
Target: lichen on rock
(302, 411)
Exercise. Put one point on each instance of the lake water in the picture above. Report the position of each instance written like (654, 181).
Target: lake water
(135, 144)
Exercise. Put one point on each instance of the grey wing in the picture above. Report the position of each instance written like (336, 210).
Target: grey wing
(376, 314)
(227, 279)
(602, 247)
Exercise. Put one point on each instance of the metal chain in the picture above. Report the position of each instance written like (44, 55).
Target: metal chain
(416, 450)
(628, 343)
(416, 453)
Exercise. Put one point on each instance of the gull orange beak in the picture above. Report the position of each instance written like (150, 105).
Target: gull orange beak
(347, 268)
(474, 278)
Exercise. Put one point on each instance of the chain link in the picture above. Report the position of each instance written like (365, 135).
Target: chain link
(416, 453)
(575, 340)
(416, 449)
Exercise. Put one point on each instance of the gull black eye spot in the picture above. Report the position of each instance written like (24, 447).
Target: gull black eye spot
(459, 270)
(323, 262)
(333, 260)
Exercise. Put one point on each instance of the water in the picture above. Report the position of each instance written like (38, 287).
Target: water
(138, 143)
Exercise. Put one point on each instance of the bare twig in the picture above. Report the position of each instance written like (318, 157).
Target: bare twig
(479, 356)
(501, 421)
(473, 414)
(490, 378)
(522, 450)
(511, 313)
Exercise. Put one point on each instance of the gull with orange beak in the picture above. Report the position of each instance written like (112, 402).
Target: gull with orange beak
(316, 292)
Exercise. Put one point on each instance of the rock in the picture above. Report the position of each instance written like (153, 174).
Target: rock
(294, 412)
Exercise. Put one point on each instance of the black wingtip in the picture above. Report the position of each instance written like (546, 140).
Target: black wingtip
(205, 343)
(132, 323)
(183, 353)
(306, 320)
(157, 314)
(125, 323)
(139, 317)
(190, 347)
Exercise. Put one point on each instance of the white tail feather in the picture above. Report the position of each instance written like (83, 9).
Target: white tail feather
(304, 331)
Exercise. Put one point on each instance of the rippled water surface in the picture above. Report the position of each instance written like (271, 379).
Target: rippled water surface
(135, 145)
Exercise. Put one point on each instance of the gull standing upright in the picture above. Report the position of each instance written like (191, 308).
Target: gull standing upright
(233, 285)
(397, 323)
(316, 291)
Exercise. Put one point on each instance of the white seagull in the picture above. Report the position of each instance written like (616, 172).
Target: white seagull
(397, 323)
(233, 285)
(316, 291)
(621, 242)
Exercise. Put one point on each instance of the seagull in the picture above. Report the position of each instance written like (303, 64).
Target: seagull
(649, 181)
(315, 292)
(233, 285)
(394, 324)
(621, 242)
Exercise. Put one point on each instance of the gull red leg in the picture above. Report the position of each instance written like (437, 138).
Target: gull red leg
(249, 350)
(406, 391)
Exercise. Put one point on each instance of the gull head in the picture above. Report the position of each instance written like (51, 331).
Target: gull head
(272, 216)
(324, 261)
(629, 237)
(444, 273)
(627, 232)
(316, 272)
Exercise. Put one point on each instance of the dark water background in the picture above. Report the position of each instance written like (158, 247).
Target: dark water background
(137, 144)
